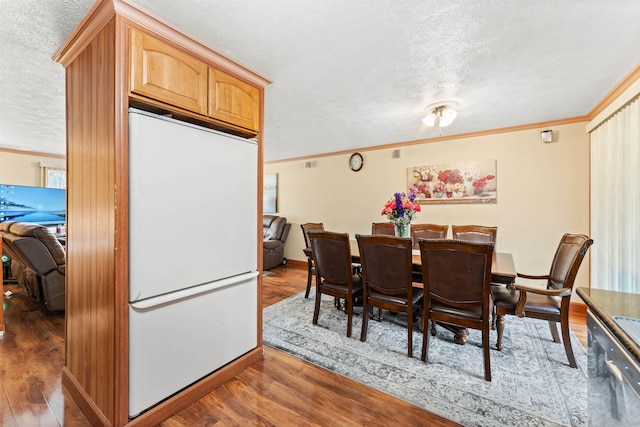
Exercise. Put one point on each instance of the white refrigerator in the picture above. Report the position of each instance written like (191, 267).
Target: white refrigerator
(192, 254)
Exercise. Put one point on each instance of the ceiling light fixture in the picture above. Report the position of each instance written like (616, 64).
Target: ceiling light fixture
(440, 114)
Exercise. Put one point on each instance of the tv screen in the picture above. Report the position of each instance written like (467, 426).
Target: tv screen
(40, 205)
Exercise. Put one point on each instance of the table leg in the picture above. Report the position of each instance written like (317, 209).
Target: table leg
(460, 333)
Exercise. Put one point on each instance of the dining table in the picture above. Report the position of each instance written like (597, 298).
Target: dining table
(503, 272)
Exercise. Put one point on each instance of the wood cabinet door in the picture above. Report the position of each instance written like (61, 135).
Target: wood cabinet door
(233, 101)
(166, 74)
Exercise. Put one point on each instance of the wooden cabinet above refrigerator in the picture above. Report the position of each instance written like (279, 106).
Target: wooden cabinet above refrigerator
(160, 72)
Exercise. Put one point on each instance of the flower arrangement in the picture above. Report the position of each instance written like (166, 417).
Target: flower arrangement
(419, 188)
(454, 190)
(450, 176)
(470, 173)
(401, 208)
(438, 187)
(479, 184)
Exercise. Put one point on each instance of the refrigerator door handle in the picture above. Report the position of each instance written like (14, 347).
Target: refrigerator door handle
(190, 292)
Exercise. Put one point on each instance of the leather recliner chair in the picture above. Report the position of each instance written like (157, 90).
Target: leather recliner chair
(275, 230)
(37, 261)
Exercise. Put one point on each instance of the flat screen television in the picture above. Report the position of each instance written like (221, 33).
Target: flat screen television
(40, 205)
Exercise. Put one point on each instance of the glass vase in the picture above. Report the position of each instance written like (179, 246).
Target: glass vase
(401, 229)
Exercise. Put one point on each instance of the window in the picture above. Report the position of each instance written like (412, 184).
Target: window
(53, 176)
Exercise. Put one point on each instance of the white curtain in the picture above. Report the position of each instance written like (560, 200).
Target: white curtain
(615, 201)
(55, 178)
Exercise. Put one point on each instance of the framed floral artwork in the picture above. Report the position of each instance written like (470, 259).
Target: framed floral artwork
(467, 182)
(270, 193)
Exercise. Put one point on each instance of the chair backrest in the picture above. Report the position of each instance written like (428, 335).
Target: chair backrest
(332, 256)
(457, 273)
(475, 233)
(566, 262)
(307, 227)
(383, 228)
(7, 249)
(428, 231)
(274, 227)
(35, 246)
(386, 263)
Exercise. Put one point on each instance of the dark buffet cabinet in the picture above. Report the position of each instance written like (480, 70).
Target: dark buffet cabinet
(613, 323)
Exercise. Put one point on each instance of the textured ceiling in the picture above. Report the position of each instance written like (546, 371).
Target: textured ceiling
(357, 73)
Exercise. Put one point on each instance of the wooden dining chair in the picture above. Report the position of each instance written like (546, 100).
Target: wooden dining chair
(475, 233)
(383, 228)
(550, 303)
(387, 229)
(428, 231)
(386, 279)
(480, 234)
(309, 226)
(334, 275)
(454, 295)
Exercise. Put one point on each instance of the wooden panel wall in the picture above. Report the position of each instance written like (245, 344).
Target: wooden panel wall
(1, 295)
(91, 294)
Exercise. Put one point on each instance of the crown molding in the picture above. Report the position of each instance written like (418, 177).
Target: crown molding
(537, 125)
(32, 153)
(616, 92)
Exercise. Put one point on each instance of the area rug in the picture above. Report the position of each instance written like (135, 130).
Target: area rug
(532, 383)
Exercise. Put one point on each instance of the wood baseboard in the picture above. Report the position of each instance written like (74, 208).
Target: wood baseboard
(297, 264)
(170, 406)
(188, 396)
(83, 400)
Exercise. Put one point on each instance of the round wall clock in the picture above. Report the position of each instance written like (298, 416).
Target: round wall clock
(356, 162)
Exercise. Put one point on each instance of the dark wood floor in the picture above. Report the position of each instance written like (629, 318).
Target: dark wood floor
(277, 391)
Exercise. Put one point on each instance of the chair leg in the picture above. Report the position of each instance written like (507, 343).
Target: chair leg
(316, 310)
(500, 326)
(410, 329)
(554, 331)
(309, 274)
(493, 306)
(425, 338)
(348, 305)
(493, 319)
(485, 349)
(365, 319)
(416, 313)
(566, 339)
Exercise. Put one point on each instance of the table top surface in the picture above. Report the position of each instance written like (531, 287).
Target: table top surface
(501, 265)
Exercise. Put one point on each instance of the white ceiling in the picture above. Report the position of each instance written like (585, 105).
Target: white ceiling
(353, 73)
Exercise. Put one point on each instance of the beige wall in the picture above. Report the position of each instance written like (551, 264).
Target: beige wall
(543, 191)
(24, 169)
